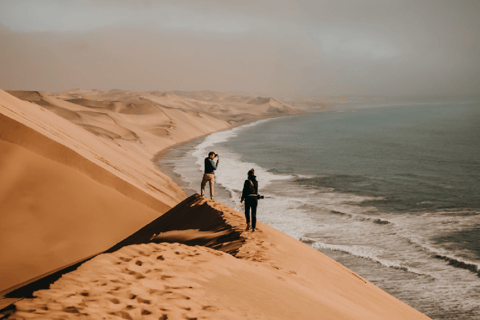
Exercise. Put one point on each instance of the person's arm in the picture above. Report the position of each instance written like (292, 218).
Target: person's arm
(214, 166)
(246, 187)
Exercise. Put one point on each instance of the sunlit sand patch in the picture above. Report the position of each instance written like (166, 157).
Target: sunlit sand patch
(149, 281)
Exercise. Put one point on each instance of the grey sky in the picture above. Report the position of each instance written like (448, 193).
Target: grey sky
(403, 47)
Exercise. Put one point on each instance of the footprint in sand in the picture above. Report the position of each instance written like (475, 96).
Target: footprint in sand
(149, 281)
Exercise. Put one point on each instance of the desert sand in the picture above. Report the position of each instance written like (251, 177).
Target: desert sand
(78, 180)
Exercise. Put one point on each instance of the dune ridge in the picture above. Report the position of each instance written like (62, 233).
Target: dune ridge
(157, 273)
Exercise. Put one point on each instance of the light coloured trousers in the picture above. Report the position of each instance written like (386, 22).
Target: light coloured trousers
(208, 177)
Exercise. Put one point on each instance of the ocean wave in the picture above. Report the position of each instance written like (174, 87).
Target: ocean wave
(305, 176)
(363, 252)
(381, 221)
(340, 213)
(460, 264)
(442, 255)
(362, 218)
(373, 220)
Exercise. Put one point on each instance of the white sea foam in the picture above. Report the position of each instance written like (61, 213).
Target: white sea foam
(365, 252)
(232, 171)
(306, 176)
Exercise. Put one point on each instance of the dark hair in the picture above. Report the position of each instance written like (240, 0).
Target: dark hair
(251, 172)
(210, 153)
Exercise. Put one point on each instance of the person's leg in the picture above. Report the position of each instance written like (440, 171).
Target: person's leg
(254, 214)
(212, 183)
(247, 213)
(202, 185)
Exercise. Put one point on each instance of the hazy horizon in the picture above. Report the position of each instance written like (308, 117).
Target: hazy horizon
(331, 48)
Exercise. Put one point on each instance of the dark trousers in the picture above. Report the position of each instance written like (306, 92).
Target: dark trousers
(251, 204)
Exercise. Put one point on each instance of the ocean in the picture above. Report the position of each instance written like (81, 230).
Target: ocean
(388, 189)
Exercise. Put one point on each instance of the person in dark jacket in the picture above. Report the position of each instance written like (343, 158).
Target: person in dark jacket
(209, 173)
(250, 195)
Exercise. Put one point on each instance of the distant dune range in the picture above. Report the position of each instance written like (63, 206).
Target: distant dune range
(77, 178)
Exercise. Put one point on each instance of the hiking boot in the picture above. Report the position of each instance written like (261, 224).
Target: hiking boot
(253, 230)
(248, 227)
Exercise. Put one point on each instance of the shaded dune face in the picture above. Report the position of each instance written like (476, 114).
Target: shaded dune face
(259, 100)
(134, 106)
(103, 124)
(195, 221)
(33, 96)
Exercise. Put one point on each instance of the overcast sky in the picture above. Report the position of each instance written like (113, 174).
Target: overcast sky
(315, 47)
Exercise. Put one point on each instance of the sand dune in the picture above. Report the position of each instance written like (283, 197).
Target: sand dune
(78, 177)
(267, 276)
(99, 141)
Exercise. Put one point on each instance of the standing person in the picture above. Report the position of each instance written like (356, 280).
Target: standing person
(250, 195)
(209, 173)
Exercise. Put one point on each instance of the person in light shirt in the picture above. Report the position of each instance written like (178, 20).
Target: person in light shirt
(209, 173)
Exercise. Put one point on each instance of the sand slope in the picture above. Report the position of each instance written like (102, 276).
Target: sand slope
(77, 170)
(265, 275)
(53, 215)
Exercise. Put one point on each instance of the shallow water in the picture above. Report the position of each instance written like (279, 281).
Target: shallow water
(391, 192)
